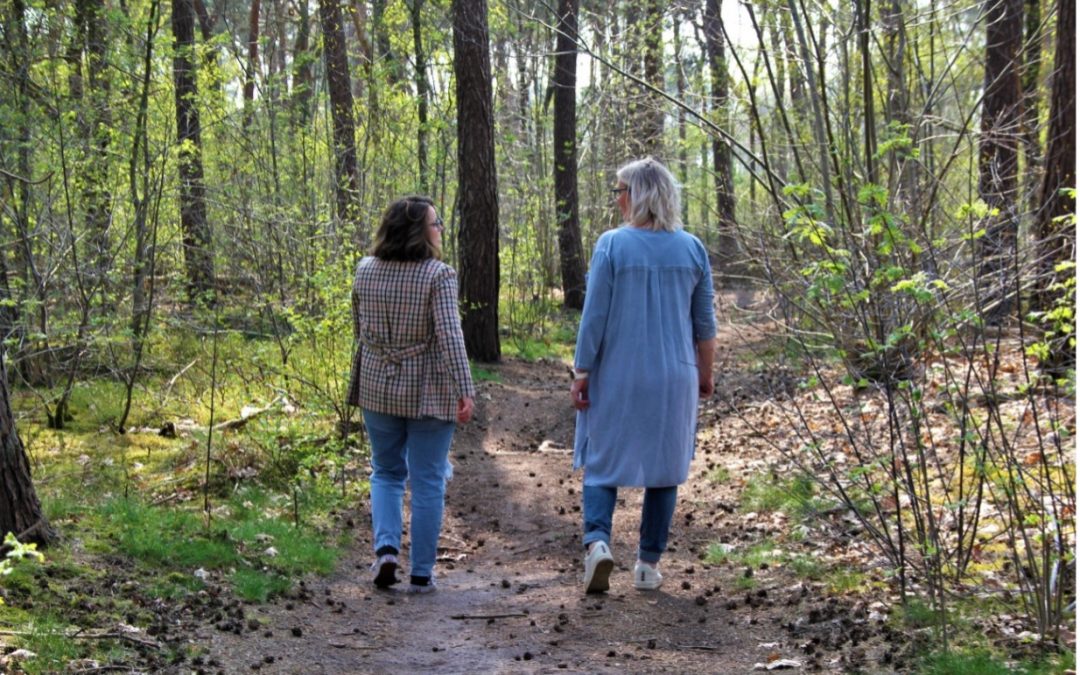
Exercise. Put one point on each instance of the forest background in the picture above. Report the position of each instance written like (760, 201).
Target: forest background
(185, 189)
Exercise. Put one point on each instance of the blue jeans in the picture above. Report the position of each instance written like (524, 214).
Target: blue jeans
(598, 507)
(418, 450)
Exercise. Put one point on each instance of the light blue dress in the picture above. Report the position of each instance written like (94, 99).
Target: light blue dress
(649, 299)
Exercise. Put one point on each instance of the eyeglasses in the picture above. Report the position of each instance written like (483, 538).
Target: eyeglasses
(618, 191)
(438, 224)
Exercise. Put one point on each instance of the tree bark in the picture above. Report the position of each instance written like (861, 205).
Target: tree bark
(478, 205)
(303, 79)
(571, 254)
(1056, 234)
(198, 256)
(652, 112)
(903, 189)
(421, 96)
(1032, 100)
(726, 246)
(94, 123)
(346, 183)
(252, 61)
(20, 510)
(1001, 121)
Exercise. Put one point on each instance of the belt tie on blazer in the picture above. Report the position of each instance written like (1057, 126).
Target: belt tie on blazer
(392, 357)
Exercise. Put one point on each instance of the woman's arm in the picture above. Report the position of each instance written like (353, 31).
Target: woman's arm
(451, 342)
(706, 351)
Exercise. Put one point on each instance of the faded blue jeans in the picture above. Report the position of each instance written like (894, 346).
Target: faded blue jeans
(598, 507)
(418, 450)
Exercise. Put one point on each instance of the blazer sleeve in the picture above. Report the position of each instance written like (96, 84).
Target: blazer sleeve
(448, 336)
(352, 397)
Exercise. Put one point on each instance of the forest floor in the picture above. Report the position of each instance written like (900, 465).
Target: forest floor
(763, 571)
(510, 597)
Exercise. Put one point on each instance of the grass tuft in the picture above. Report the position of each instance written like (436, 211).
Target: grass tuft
(256, 586)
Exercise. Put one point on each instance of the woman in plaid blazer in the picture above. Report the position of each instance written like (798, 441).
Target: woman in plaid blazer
(410, 375)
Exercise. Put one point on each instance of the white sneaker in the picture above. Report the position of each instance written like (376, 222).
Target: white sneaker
(383, 571)
(430, 587)
(598, 566)
(646, 577)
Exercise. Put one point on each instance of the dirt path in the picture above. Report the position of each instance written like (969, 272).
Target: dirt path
(510, 597)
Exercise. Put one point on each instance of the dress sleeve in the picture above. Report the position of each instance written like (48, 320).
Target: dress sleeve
(702, 312)
(448, 335)
(597, 305)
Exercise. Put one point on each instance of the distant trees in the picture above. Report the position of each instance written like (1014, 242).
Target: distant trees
(478, 202)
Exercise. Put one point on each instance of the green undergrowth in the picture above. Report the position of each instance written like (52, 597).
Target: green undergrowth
(769, 553)
(982, 661)
(129, 507)
(796, 496)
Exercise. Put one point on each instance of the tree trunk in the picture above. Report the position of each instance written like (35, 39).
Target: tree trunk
(478, 205)
(94, 123)
(902, 177)
(341, 110)
(421, 97)
(726, 246)
(1056, 234)
(383, 50)
(680, 89)
(1030, 84)
(198, 257)
(303, 79)
(1001, 120)
(652, 111)
(20, 510)
(252, 61)
(571, 254)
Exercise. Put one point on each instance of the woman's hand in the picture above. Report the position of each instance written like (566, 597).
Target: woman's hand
(705, 384)
(464, 409)
(579, 392)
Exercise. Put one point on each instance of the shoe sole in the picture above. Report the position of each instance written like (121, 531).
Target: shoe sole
(387, 576)
(647, 586)
(599, 581)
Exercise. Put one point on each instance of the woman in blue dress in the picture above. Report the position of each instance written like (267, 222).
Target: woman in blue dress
(644, 356)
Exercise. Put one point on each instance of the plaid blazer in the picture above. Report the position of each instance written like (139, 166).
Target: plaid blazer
(410, 356)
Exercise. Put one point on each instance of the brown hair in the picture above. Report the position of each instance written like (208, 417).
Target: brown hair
(402, 234)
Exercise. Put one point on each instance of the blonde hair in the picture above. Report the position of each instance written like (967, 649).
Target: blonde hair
(654, 195)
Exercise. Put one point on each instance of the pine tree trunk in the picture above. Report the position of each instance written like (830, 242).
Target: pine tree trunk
(1001, 120)
(198, 259)
(252, 61)
(571, 254)
(652, 111)
(346, 185)
(20, 510)
(1056, 235)
(421, 97)
(303, 80)
(478, 205)
(726, 246)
